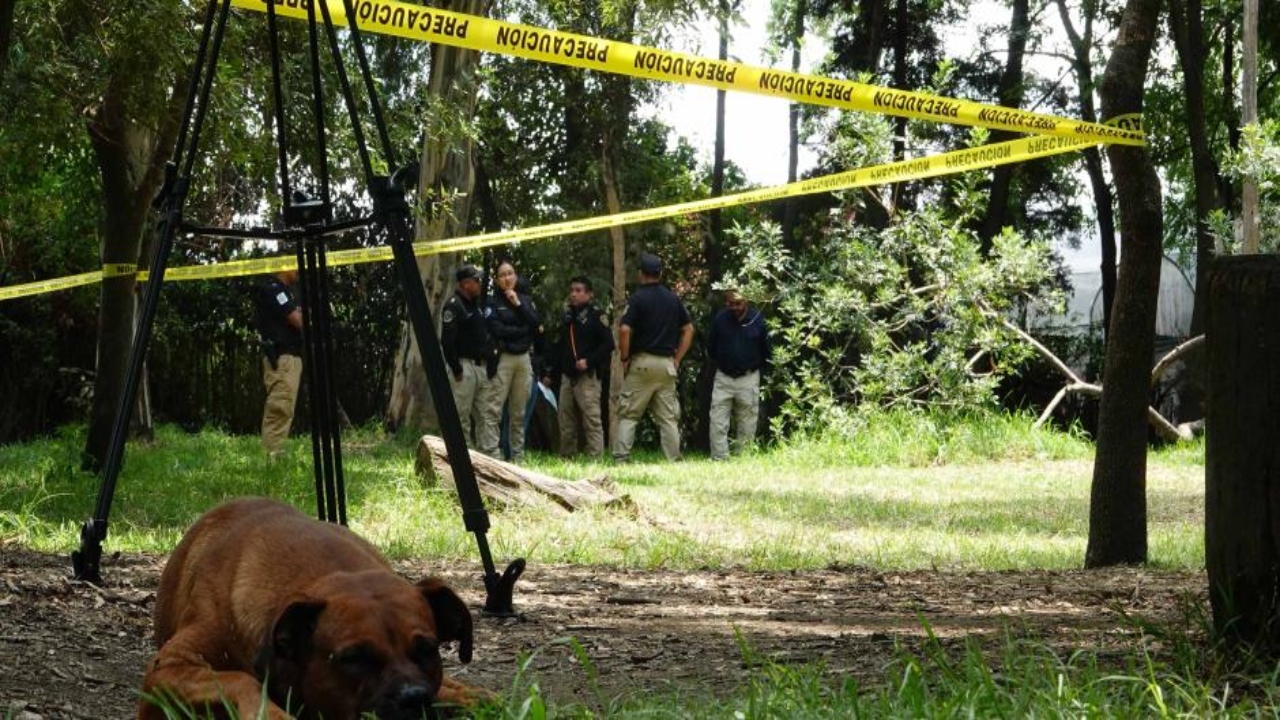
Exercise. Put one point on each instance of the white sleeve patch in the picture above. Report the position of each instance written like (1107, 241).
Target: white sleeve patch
(282, 298)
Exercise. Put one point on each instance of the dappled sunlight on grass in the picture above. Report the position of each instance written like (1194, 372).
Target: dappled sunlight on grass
(792, 507)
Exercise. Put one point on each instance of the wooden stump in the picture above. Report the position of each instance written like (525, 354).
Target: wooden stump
(1242, 449)
(506, 484)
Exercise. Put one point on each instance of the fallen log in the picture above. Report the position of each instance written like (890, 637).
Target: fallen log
(507, 484)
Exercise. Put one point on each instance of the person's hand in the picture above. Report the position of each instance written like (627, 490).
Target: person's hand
(513, 297)
(582, 365)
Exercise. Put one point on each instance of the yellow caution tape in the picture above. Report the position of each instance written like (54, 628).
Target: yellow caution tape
(48, 286)
(418, 22)
(976, 158)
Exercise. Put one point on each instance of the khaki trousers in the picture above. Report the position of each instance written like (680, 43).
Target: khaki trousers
(650, 380)
(580, 400)
(282, 397)
(469, 396)
(509, 387)
(740, 397)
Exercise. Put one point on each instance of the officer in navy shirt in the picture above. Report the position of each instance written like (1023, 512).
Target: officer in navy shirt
(654, 336)
(739, 347)
(279, 319)
(464, 340)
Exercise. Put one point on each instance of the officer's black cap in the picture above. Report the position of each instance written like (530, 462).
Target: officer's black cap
(467, 272)
(650, 265)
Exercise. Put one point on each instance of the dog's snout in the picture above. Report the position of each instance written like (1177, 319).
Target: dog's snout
(414, 694)
(415, 699)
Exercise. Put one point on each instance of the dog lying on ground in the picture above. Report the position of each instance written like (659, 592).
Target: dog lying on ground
(262, 608)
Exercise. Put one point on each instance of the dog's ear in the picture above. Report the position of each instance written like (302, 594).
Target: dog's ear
(287, 643)
(453, 619)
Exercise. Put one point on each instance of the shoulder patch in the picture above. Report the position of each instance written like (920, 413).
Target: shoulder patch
(282, 298)
(603, 320)
(447, 315)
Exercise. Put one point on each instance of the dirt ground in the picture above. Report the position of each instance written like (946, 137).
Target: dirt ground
(71, 650)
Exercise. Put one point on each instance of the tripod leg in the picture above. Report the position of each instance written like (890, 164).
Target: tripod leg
(499, 589)
(87, 561)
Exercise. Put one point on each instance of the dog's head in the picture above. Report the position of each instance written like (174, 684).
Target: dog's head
(363, 643)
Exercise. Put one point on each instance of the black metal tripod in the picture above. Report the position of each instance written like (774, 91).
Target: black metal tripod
(307, 223)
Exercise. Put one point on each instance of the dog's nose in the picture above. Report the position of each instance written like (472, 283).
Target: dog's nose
(415, 698)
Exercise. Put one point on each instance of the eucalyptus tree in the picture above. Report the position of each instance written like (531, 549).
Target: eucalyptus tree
(111, 73)
(1117, 504)
(446, 182)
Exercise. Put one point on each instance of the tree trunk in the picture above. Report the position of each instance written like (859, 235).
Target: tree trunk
(791, 210)
(1242, 458)
(618, 241)
(1117, 504)
(713, 247)
(1228, 189)
(900, 29)
(6, 33)
(997, 215)
(1082, 66)
(511, 485)
(131, 160)
(1249, 215)
(445, 183)
(1185, 20)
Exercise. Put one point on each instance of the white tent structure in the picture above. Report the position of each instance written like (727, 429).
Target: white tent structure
(1083, 314)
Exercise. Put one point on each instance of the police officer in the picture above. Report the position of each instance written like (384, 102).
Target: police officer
(279, 319)
(653, 339)
(514, 325)
(585, 348)
(464, 338)
(739, 347)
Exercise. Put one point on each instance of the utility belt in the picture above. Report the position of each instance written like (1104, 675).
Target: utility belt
(273, 352)
(739, 373)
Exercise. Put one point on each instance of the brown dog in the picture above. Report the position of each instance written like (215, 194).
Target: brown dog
(263, 608)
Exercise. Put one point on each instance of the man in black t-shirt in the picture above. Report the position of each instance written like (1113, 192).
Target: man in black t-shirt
(464, 339)
(279, 320)
(655, 335)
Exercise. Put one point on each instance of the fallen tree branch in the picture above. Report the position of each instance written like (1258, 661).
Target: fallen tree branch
(1160, 423)
(509, 484)
(1174, 355)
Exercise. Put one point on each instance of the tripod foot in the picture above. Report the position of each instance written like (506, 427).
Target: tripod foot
(499, 601)
(86, 562)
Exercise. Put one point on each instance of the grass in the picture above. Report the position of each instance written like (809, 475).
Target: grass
(990, 495)
(908, 492)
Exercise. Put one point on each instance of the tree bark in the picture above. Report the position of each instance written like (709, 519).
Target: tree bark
(900, 30)
(618, 243)
(998, 215)
(446, 181)
(713, 247)
(1082, 66)
(1186, 23)
(1242, 458)
(6, 33)
(1249, 116)
(1117, 506)
(511, 485)
(791, 210)
(131, 157)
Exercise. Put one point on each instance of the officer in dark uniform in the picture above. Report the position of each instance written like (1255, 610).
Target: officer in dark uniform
(578, 361)
(279, 319)
(653, 338)
(515, 326)
(464, 338)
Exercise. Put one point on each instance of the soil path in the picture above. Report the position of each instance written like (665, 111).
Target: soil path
(70, 650)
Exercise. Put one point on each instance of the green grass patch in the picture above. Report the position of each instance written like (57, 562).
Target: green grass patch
(912, 492)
